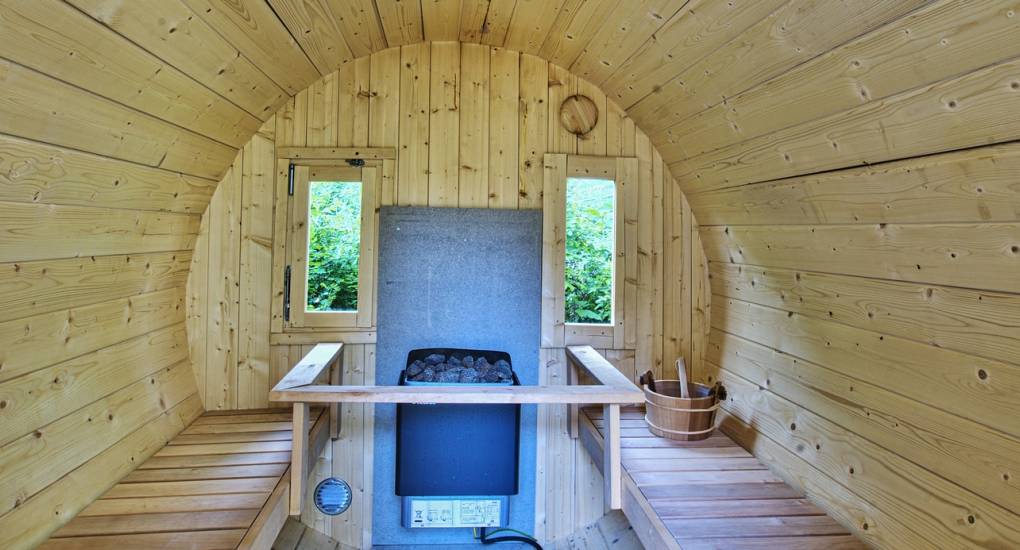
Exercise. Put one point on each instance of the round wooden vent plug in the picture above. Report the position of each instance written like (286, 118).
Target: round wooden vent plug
(578, 114)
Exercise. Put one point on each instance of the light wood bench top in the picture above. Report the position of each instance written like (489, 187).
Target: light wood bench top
(222, 483)
(709, 494)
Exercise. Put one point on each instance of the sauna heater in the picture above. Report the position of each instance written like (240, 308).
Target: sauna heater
(457, 464)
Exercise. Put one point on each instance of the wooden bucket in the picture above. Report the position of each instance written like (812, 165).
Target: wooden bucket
(673, 417)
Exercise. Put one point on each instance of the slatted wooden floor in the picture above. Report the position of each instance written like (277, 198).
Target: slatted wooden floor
(711, 494)
(205, 489)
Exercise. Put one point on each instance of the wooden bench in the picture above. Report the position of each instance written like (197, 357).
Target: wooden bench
(222, 483)
(708, 495)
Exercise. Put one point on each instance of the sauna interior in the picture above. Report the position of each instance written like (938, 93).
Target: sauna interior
(815, 204)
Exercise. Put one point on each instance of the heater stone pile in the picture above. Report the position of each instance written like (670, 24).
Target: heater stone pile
(466, 370)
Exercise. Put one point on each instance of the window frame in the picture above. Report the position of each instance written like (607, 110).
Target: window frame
(297, 244)
(557, 169)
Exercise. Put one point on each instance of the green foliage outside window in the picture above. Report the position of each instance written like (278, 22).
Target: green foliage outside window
(590, 242)
(334, 244)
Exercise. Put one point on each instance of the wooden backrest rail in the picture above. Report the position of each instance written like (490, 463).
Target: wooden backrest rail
(611, 390)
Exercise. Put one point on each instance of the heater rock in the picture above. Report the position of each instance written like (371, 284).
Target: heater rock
(435, 359)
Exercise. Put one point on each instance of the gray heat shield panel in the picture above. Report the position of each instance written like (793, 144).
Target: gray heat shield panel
(455, 277)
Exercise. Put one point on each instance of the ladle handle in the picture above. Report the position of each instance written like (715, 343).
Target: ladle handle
(681, 369)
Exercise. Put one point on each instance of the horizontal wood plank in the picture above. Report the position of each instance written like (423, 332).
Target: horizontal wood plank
(223, 539)
(35, 172)
(945, 254)
(40, 232)
(157, 505)
(156, 523)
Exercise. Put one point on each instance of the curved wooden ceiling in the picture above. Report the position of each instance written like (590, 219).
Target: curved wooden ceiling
(214, 69)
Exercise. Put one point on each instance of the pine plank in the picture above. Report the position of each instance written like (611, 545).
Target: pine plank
(413, 146)
(474, 131)
(789, 36)
(895, 61)
(44, 396)
(222, 539)
(243, 437)
(197, 49)
(533, 128)
(74, 491)
(314, 26)
(444, 124)
(401, 22)
(51, 338)
(40, 232)
(504, 134)
(212, 472)
(183, 488)
(158, 505)
(215, 460)
(256, 31)
(962, 111)
(156, 523)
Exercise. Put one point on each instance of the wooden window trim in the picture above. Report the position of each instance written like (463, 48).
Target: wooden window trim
(557, 168)
(370, 176)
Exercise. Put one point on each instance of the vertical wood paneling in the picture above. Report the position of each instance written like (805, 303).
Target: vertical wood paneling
(444, 124)
(533, 115)
(473, 189)
(471, 125)
(413, 140)
(256, 263)
(503, 130)
(224, 272)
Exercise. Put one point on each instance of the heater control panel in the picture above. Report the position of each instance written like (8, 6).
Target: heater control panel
(455, 511)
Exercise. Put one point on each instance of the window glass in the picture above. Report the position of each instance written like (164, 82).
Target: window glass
(591, 207)
(334, 245)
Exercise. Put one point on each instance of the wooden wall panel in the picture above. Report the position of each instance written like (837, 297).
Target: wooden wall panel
(855, 309)
(108, 156)
(471, 125)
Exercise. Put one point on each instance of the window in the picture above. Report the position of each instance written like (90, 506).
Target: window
(334, 245)
(590, 236)
(584, 247)
(330, 249)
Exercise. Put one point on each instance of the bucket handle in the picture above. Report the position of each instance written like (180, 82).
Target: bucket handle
(677, 432)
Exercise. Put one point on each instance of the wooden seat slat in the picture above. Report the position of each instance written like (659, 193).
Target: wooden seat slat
(222, 539)
(212, 472)
(224, 448)
(205, 487)
(709, 494)
(154, 505)
(223, 482)
(198, 461)
(157, 523)
(748, 527)
(236, 428)
(239, 437)
(824, 542)
(205, 420)
(692, 464)
(735, 508)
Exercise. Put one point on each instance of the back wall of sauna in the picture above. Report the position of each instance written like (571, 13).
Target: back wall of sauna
(471, 125)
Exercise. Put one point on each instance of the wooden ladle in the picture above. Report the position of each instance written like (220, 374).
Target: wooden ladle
(681, 369)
